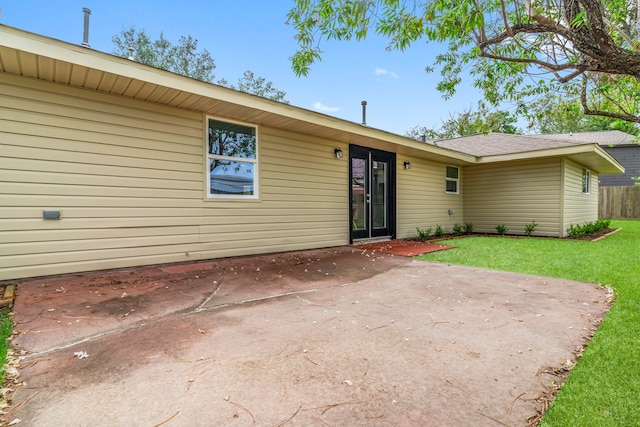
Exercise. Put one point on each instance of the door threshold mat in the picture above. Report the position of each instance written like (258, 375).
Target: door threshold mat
(403, 247)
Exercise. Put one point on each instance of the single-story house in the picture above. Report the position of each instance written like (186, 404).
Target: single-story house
(623, 147)
(530, 178)
(108, 163)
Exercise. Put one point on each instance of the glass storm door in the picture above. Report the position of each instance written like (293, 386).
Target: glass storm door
(372, 178)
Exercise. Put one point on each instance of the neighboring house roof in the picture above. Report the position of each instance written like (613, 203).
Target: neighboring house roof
(38, 57)
(605, 138)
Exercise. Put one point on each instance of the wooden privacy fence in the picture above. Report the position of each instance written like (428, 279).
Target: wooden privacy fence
(619, 202)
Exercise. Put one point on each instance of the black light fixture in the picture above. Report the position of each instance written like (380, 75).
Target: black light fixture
(407, 165)
(338, 153)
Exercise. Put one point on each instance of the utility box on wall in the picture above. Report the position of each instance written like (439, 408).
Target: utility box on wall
(51, 214)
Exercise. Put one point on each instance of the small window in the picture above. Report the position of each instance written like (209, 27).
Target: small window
(232, 160)
(586, 181)
(451, 181)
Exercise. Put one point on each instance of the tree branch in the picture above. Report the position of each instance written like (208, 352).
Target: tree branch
(595, 23)
(589, 112)
(615, 61)
(554, 68)
(533, 14)
(505, 20)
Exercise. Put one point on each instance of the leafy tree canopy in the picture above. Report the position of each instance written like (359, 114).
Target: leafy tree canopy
(554, 114)
(185, 59)
(513, 49)
(249, 83)
(469, 122)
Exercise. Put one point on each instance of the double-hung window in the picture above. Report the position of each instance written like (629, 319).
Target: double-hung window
(451, 180)
(232, 159)
(586, 181)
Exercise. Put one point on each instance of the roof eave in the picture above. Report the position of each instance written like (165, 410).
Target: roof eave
(205, 97)
(592, 156)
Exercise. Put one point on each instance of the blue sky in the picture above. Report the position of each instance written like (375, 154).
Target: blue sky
(252, 35)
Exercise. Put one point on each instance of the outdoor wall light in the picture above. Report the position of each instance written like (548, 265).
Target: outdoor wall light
(338, 153)
(407, 165)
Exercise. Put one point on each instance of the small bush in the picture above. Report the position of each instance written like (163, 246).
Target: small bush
(468, 227)
(457, 229)
(423, 233)
(501, 229)
(439, 231)
(577, 231)
(603, 224)
(530, 228)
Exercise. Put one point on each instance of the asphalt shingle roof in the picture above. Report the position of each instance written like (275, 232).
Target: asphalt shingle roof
(603, 137)
(493, 144)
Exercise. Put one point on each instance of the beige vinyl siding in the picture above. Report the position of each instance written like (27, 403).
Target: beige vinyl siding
(421, 197)
(128, 176)
(579, 208)
(514, 194)
(303, 201)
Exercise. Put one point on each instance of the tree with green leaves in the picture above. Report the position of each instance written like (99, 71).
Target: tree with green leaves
(554, 114)
(249, 83)
(183, 58)
(469, 122)
(514, 50)
(186, 59)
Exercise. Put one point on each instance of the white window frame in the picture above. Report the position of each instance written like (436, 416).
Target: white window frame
(209, 156)
(586, 181)
(449, 179)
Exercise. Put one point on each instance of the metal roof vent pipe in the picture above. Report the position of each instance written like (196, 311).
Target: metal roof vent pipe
(85, 37)
(364, 113)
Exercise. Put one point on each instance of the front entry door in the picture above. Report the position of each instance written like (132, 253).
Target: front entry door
(372, 196)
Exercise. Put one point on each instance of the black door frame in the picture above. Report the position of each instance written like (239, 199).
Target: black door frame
(371, 155)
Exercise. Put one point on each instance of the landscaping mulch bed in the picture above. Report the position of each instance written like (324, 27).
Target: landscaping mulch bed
(593, 237)
(601, 234)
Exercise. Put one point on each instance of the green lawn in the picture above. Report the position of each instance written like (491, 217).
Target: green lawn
(604, 387)
(6, 326)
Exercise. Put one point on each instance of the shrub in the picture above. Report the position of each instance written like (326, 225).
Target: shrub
(501, 229)
(468, 227)
(577, 231)
(457, 229)
(603, 224)
(423, 234)
(439, 231)
(530, 228)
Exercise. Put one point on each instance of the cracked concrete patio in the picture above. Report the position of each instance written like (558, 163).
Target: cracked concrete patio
(325, 337)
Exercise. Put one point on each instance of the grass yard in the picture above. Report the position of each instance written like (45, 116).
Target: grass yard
(604, 387)
(6, 326)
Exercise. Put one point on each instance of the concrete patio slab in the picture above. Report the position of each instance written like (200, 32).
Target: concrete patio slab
(329, 337)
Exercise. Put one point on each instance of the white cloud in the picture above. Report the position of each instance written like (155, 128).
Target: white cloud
(324, 108)
(382, 72)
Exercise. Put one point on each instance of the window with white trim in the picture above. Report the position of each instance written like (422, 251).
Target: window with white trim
(232, 159)
(451, 180)
(586, 181)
